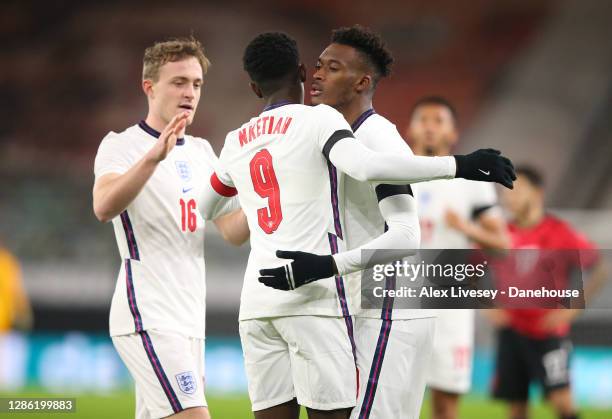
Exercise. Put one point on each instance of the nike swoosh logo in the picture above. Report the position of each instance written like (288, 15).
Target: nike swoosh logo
(187, 190)
(486, 173)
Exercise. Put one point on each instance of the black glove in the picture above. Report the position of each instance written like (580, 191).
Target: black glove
(486, 165)
(305, 268)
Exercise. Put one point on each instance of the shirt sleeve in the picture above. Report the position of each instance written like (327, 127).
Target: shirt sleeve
(221, 171)
(384, 137)
(401, 239)
(587, 252)
(219, 195)
(484, 200)
(111, 157)
(220, 179)
(396, 204)
(366, 165)
(331, 127)
(337, 143)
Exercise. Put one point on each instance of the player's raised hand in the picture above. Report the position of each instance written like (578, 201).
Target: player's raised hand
(305, 268)
(167, 139)
(486, 165)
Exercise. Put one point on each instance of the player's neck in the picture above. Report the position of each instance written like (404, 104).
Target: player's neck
(532, 217)
(158, 124)
(353, 110)
(288, 95)
(431, 152)
(155, 122)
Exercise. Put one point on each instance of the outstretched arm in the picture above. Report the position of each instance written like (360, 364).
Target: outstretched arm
(401, 239)
(487, 231)
(216, 198)
(363, 164)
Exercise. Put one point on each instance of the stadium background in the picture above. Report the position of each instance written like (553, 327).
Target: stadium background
(533, 78)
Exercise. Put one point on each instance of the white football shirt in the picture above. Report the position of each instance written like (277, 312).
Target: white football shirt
(161, 282)
(291, 196)
(454, 333)
(467, 198)
(363, 219)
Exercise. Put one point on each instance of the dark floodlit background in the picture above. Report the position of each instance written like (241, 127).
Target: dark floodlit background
(532, 78)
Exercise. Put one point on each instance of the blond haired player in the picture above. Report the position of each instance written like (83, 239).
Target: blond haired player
(456, 214)
(149, 183)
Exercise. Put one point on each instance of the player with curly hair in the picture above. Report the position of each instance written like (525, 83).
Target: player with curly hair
(393, 345)
(298, 346)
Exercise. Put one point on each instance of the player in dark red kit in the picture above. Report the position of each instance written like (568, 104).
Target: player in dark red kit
(533, 343)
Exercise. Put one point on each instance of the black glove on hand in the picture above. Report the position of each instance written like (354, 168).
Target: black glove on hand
(486, 165)
(305, 268)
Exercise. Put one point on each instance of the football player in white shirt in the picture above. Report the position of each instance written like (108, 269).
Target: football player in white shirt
(392, 345)
(298, 346)
(380, 216)
(149, 182)
(455, 214)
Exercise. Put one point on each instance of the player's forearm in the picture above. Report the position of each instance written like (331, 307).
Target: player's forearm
(233, 227)
(367, 165)
(111, 197)
(390, 246)
(401, 239)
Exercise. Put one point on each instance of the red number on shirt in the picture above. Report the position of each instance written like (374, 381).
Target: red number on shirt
(188, 215)
(266, 186)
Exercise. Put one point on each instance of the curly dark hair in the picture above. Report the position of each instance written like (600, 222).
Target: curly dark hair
(369, 44)
(270, 57)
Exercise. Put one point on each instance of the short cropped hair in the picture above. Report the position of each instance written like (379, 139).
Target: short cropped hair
(369, 44)
(271, 57)
(175, 49)
(435, 100)
(533, 175)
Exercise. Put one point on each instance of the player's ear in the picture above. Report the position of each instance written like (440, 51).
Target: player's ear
(364, 83)
(408, 137)
(147, 87)
(255, 88)
(453, 137)
(302, 72)
(539, 193)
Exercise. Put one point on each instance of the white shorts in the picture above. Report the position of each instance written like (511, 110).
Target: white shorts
(305, 357)
(392, 356)
(168, 371)
(451, 361)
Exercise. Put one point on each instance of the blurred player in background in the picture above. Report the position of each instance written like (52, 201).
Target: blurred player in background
(15, 314)
(149, 182)
(533, 343)
(298, 346)
(455, 214)
(15, 310)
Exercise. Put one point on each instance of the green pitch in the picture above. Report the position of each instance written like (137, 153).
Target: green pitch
(121, 405)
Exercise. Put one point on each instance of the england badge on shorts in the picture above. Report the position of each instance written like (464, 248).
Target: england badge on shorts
(187, 382)
(182, 167)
